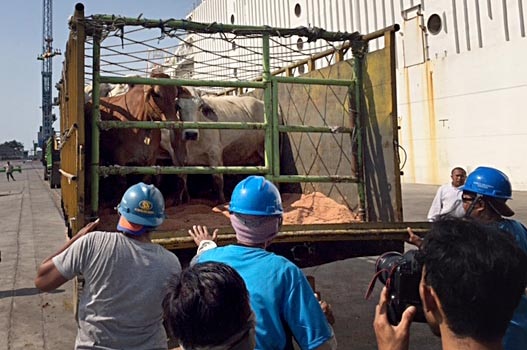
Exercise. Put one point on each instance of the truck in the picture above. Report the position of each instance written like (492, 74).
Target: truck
(51, 160)
(331, 129)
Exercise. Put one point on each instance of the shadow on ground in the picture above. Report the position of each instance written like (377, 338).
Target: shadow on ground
(23, 292)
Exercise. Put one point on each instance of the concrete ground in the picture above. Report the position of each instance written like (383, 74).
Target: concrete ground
(33, 229)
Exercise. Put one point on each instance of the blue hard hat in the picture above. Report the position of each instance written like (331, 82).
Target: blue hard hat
(256, 196)
(488, 182)
(143, 204)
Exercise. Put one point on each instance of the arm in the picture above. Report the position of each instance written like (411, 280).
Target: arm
(330, 344)
(391, 337)
(435, 208)
(413, 238)
(304, 314)
(48, 276)
(203, 239)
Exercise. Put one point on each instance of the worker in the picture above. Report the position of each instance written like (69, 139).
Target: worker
(447, 200)
(485, 194)
(280, 294)
(9, 171)
(125, 276)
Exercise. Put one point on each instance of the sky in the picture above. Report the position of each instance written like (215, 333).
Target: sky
(21, 37)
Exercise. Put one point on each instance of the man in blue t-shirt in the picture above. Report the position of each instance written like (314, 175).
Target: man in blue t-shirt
(280, 295)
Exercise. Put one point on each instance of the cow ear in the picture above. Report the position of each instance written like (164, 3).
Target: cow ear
(208, 112)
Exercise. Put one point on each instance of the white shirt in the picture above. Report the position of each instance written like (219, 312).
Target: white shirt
(447, 201)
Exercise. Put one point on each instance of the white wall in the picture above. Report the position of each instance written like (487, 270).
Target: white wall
(462, 103)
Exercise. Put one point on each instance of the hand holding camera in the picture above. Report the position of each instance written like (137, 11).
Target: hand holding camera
(401, 274)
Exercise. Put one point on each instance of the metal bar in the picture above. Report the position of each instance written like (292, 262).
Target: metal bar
(179, 239)
(180, 82)
(358, 53)
(96, 134)
(275, 133)
(268, 103)
(321, 129)
(379, 33)
(111, 124)
(159, 170)
(315, 178)
(69, 176)
(311, 33)
(313, 81)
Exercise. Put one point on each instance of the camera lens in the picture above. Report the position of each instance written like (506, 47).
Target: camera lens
(386, 262)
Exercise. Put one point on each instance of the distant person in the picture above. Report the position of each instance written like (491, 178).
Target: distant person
(447, 200)
(9, 171)
(280, 295)
(484, 198)
(207, 308)
(125, 275)
(473, 277)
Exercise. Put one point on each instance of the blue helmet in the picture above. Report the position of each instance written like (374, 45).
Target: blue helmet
(143, 204)
(256, 196)
(488, 182)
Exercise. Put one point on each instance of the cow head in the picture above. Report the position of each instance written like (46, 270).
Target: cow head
(191, 107)
(159, 100)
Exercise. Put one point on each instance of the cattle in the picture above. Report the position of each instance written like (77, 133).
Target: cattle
(167, 136)
(104, 90)
(222, 147)
(131, 146)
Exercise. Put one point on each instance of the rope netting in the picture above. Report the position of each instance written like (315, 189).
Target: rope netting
(136, 50)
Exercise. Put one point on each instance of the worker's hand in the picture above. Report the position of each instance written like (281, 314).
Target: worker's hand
(201, 233)
(88, 228)
(392, 337)
(327, 310)
(413, 238)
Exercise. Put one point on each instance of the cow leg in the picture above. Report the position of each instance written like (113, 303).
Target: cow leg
(218, 186)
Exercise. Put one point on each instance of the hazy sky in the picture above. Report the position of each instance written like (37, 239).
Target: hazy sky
(21, 39)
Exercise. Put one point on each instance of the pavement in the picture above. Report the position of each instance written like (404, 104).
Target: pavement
(33, 229)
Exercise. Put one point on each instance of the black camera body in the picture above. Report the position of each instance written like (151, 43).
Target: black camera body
(401, 273)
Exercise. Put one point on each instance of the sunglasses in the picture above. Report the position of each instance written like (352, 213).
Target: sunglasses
(468, 199)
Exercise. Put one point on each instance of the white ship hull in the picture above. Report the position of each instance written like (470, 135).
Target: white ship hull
(462, 80)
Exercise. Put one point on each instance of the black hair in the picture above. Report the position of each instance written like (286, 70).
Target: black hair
(478, 273)
(458, 168)
(206, 305)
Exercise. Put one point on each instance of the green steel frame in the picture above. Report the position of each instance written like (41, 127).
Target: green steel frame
(268, 83)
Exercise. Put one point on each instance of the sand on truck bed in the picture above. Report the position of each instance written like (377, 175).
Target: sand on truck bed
(312, 208)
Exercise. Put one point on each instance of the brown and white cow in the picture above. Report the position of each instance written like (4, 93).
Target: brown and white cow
(132, 146)
(139, 103)
(222, 147)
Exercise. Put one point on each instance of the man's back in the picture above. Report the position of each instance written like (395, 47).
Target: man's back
(121, 303)
(278, 292)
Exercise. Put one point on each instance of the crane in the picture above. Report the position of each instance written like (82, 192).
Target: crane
(46, 129)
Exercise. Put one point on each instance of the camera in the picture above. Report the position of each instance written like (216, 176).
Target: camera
(401, 273)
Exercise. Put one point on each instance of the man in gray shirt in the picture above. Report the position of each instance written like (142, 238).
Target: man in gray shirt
(125, 275)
